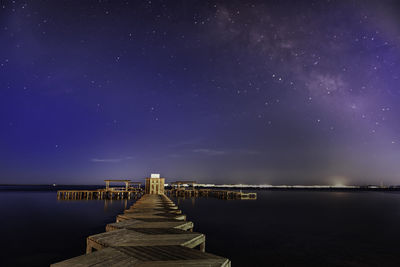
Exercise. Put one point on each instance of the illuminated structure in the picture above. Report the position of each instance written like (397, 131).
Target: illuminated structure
(117, 181)
(154, 184)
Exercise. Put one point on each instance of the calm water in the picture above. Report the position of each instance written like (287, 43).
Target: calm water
(281, 228)
(37, 230)
(302, 228)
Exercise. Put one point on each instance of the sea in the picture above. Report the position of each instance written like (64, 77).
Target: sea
(280, 228)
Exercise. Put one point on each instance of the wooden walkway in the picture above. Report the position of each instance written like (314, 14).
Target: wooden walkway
(222, 194)
(131, 190)
(98, 194)
(153, 232)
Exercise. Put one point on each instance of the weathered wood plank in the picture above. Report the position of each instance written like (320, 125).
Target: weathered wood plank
(132, 224)
(125, 237)
(146, 256)
(179, 217)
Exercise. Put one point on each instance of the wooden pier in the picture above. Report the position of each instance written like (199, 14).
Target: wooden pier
(221, 194)
(131, 190)
(188, 189)
(152, 232)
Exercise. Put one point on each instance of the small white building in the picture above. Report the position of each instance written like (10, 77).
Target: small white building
(154, 184)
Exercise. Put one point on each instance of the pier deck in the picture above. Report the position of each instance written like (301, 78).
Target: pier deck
(153, 232)
(169, 216)
(98, 194)
(167, 256)
(131, 190)
(135, 224)
(145, 237)
(221, 194)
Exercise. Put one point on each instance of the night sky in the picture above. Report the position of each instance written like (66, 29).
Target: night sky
(273, 92)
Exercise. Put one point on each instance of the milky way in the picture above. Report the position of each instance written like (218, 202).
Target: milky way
(276, 92)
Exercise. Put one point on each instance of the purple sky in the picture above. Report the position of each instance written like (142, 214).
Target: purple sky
(277, 92)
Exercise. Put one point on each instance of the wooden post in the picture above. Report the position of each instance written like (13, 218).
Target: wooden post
(88, 247)
(203, 247)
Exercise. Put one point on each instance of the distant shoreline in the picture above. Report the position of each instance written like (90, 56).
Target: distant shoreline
(51, 187)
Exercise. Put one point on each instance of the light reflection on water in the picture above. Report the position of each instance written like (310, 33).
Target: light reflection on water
(301, 228)
(37, 229)
(280, 228)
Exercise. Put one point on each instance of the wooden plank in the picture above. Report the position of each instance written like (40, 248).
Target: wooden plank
(132, 224)
(124, 237)
(154, 210)
(180, 217)
(146, 256)
(107, 257)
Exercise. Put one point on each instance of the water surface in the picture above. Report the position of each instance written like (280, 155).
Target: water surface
(302, 228)
(280, 228)
(36, 229)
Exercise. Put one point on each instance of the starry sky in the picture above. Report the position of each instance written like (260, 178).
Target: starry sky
(270, 92)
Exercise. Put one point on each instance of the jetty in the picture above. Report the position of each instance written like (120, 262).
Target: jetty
(134, 190)
(152, 232)
(188, 189)
(129, 191)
